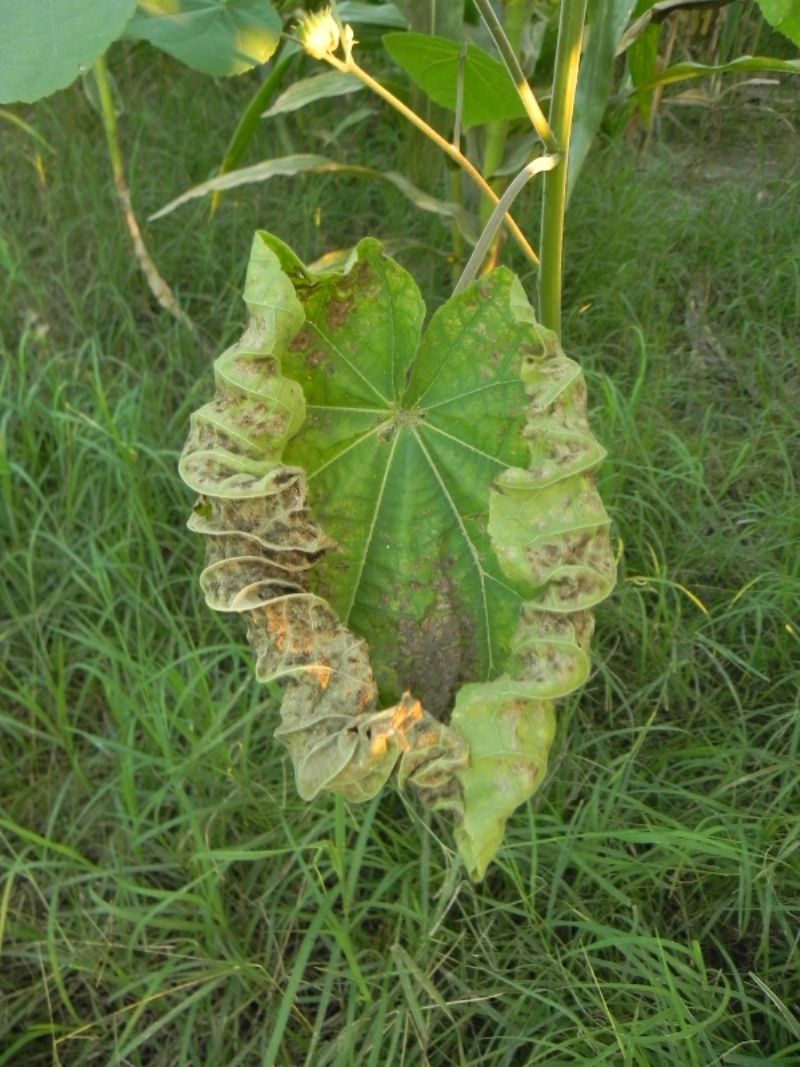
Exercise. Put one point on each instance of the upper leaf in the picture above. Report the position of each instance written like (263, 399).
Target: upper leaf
(434, 64)
(45, 45)
(218, 37)
(304, 163)
(370, 14)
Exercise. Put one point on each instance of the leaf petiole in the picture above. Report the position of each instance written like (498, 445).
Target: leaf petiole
(536, 166)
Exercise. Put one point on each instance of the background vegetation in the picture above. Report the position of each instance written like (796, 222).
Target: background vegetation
(165, 898)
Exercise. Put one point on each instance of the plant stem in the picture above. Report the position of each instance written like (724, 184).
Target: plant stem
(526, 95)
(351, 67)
(536, 166)
(516, 15)
(456, 184)
(459, 98)
(554, 204)
(156, 283)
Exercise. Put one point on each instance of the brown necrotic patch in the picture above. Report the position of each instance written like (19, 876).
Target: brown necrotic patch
(438, 654)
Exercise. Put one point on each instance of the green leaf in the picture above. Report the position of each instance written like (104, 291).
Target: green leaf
(45, 45)
(361, 14)
(218, 37)
(607, 20)
(462, 541)
(681, 72)
(642, 60)
(309, 90)
(784, 15)
(250, 119)
(433, 64)
(289, 166)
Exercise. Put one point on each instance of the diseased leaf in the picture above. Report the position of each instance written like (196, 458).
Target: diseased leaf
(433, 64)
(218, 37)
(261, 546)
(44, 46)
(451, 471)
(509, 738)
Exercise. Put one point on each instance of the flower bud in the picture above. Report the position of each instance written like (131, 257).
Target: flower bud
(319, 33)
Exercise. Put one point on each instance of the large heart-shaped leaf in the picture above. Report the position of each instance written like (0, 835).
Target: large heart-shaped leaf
(45, 45)
(436, 64)
(453, 470)
(218, 37)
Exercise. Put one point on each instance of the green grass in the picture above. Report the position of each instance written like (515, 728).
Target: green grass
(166, 900)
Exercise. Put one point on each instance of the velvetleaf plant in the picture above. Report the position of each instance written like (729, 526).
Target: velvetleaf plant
(406, 516)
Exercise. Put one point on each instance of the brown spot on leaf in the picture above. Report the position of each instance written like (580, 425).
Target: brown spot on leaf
(438, 654)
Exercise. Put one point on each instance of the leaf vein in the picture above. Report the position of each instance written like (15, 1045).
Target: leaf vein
(482, 575)
(354, 444)
(472, 392)
(466, 444)
(371, 531)
(351, 365)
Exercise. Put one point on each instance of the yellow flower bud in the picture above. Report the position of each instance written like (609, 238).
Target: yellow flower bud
(319, 33)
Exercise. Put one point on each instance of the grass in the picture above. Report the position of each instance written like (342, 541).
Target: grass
(165, 898)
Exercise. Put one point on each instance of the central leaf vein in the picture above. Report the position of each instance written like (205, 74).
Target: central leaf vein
(339, 407)
(482, 575)
(334, 348)
(371, 531)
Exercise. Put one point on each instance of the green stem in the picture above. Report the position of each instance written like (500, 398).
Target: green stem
(536, 166)
(529, 101)
(109, 115)
(562, 105)
(517, 15)
(457, 197)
